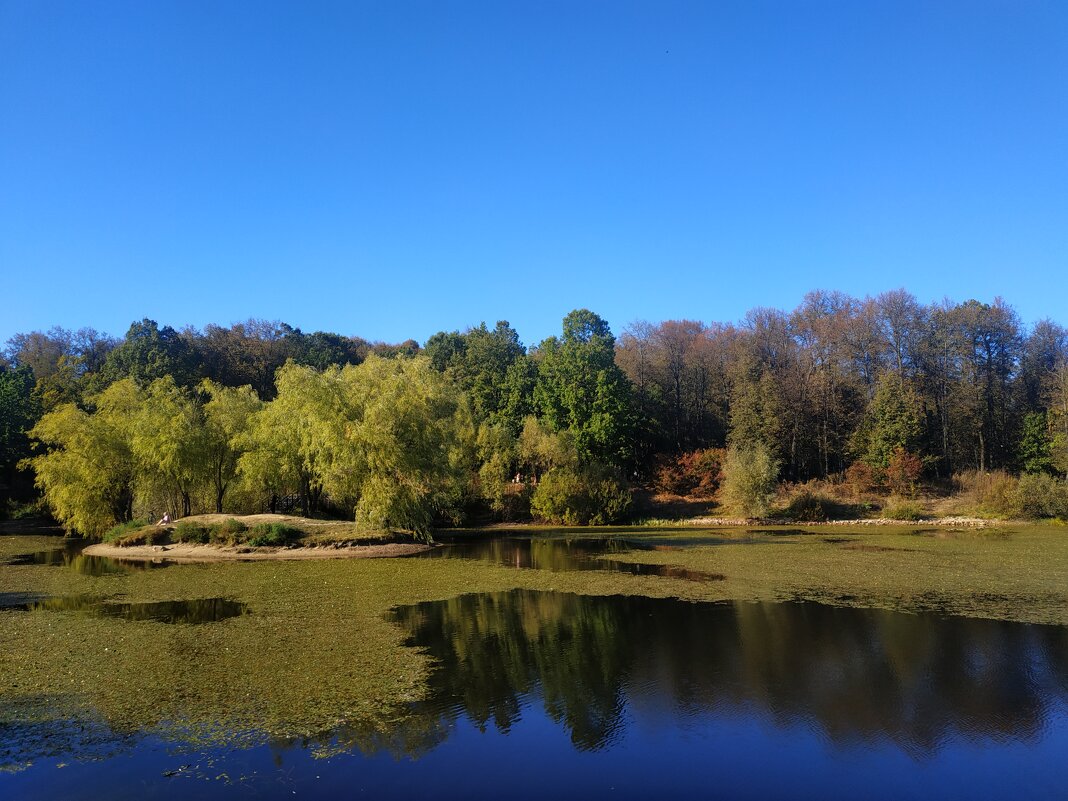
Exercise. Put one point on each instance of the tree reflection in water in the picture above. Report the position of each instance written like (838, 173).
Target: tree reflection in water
(856, 675)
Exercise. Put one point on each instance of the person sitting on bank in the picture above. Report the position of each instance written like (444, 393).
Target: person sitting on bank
(165, 520)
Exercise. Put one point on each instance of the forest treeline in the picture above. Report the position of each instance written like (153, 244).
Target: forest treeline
(260, 415)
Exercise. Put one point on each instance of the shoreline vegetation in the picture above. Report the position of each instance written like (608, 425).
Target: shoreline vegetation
(842, 410)
(217, 537)
(222, 538)
(188, 552)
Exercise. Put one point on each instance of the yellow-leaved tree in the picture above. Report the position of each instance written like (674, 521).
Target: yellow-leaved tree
(390, 439)
(88, 470)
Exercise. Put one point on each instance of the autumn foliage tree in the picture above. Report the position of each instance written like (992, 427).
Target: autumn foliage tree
(903, 470)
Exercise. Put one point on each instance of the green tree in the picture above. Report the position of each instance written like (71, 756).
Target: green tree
(446, 350)
(390, 439)
(1036, 445)
(19, 412)
(88, 472)
(408, 446)
(489, 355)
(749, 476)
(479, 362)
(322, 349)
(567, 490)
(282, 446)
(541, 449)
(518, 393)
(170, 445)
(498, 454)
(149, 352)
(892, 421)
(579, 388)
(227, 414)
(588, 495)
(1056, 394)
(756, 412)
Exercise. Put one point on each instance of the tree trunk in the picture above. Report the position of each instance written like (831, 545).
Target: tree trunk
(305, 497)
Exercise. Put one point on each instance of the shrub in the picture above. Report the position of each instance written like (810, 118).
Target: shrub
(749, 475)
(696, 474)
(809, 507)
(903, 471)
(123, 530)
(274, 534)
(136, 532)
(993, 493)
(230, 527)
(860, 478)
(898, 508)
(514, 503)
(185, 531)
(1039, 495)
(228, 532)
(579, 497)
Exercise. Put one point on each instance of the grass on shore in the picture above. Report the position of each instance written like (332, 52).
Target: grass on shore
(261, 530)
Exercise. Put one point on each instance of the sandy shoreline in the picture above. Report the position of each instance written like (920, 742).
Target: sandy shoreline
(936, 522)
(189, 552)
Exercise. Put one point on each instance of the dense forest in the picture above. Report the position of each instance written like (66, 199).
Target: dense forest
(884, 392)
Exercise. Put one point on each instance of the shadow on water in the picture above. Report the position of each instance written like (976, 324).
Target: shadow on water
(197, 610)
(559, 554)
(857, 675)
(71, 557)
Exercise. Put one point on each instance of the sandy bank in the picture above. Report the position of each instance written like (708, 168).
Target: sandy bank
(189, 552)
(938, 522)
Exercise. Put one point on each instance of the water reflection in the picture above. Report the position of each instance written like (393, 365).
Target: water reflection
(25, 738)
(70, 556)
(197, 610)
(563, 555)
(855, 675)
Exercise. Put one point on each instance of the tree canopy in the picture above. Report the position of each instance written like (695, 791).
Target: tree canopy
(259, 415)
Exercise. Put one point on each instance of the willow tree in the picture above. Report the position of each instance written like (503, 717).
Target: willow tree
(227, 413)
(390, 439)
(282, 446)
(170, 444)
(88, 472)
(406, 447)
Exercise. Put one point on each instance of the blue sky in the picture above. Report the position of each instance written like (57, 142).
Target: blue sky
(390, 169)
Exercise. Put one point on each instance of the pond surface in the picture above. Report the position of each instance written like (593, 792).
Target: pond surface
(515, 692)
(70, 556)
(192, 611)
(562, 553)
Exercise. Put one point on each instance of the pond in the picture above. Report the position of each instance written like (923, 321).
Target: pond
(522, 666)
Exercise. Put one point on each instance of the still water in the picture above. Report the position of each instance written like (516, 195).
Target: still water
(536, 692)
(561, 553)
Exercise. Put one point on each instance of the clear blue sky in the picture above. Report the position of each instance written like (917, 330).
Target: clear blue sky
(390, 169)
